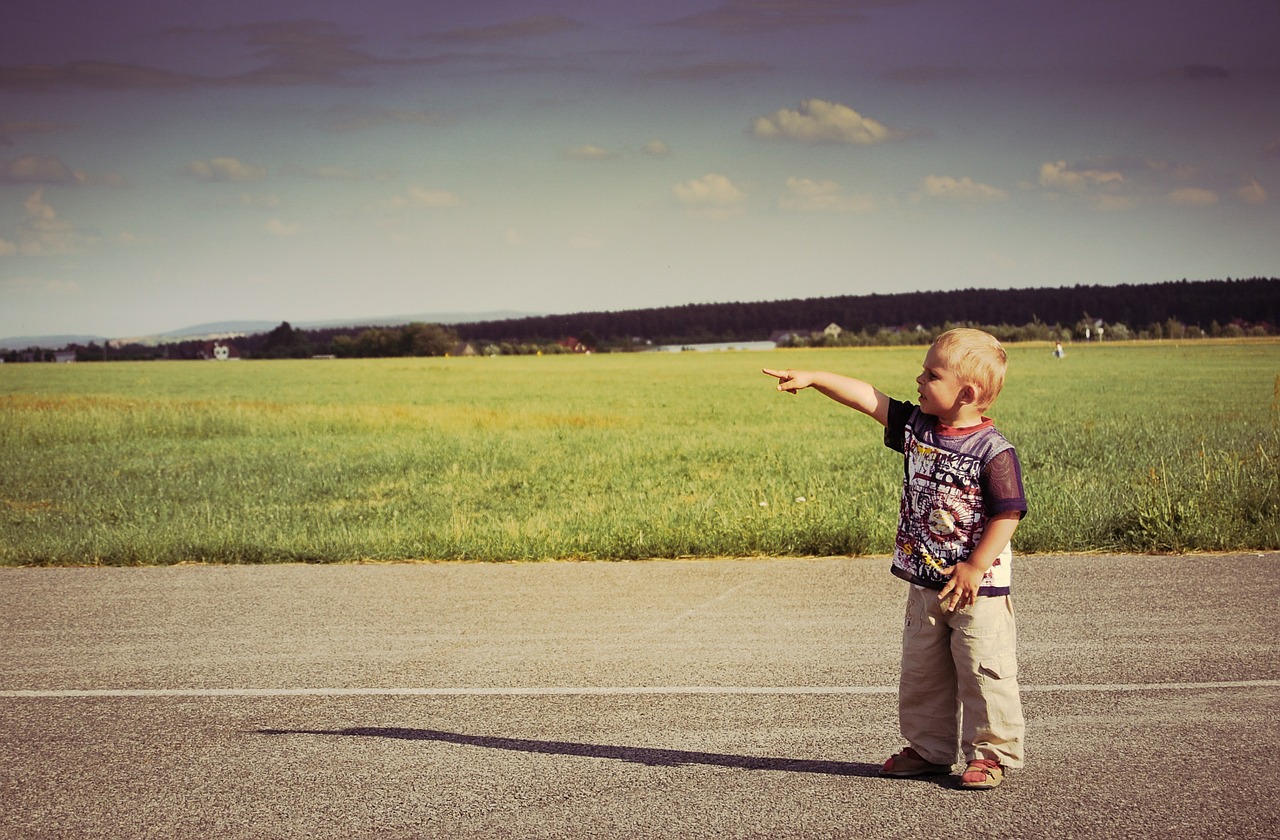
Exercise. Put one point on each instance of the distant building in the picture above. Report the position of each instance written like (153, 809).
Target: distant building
(219, 351)
(573, 345)
(833, 330)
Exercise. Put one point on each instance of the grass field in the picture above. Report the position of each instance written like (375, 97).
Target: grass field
(1141, 447)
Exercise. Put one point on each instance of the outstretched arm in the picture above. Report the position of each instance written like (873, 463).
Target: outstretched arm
(843, 389)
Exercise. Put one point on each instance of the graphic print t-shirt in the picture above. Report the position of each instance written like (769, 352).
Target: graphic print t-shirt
(954, 481)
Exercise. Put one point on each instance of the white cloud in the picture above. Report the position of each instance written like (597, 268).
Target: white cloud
(224, 169)
(819, 121)
(588, 152)
(7, 248)
(657, 148)
(966, 189)
(422, 197)
(710, 197)
(1252, 193)
(1193, 197)
(43, 234)
(37, 169)
(805, 195)
(279, 227)
(1059, 176)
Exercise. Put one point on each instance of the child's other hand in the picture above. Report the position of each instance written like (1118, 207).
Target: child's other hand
(962, 589)
(791, 380)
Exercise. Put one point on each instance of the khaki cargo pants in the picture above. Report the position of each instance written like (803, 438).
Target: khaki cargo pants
(959, 683)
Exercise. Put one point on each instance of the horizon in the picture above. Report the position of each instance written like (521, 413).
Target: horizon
(166, 164)
(247, 327)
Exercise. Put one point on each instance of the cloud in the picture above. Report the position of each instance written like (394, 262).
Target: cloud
(90, 75)
(656, 148)
(1193, 197)
(49, 169)
(1059, 176)
(710, 197)
(33, 286)
(297, 52)
(964, 189)
(7, 248)
(278, 227)
(418, 197)
(1252, 193)
(805, 195)
(1101, 183)
(1272, 149)
(224, 169)
(819, 121)
(537, 26)
(37, 169)
(42, 233)
(748, 17)
(588, 152)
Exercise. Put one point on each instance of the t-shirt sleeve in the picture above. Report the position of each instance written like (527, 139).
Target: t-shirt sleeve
(1002, 485)
(895, 426)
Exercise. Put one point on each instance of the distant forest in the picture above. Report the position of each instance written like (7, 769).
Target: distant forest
(1139, 308)
(1179, 310)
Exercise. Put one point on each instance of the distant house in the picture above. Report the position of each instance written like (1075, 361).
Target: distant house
(219, 351)
(64, 356)
(785, 337)
(833, 330)
(573, 345)
(464, 348)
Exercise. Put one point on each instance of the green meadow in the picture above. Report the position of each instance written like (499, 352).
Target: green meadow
(1144, 447)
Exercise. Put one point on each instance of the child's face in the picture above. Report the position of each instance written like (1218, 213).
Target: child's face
(939, 387)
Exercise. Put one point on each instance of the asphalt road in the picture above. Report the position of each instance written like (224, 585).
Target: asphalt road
(716, 698)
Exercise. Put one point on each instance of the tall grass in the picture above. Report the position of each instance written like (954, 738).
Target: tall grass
(1143, 447)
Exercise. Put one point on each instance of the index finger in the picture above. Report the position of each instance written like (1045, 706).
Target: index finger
(777, 374)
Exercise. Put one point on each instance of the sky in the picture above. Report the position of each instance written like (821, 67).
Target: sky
(168, 164)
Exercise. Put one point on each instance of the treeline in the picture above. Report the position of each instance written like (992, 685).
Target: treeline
(1248, 303)
(1177, 310)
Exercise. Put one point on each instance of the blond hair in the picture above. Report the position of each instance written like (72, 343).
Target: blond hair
(977, 359)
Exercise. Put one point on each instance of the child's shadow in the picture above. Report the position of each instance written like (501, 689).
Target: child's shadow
(649, 756)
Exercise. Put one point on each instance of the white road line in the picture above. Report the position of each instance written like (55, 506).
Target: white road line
(596, 690)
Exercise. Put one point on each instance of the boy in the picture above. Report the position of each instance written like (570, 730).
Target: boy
(962, 500)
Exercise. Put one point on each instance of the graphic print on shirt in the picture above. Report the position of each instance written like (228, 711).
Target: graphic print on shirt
(942, 516)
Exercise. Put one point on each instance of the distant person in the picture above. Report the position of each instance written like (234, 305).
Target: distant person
(962, 500)
(1058, 352)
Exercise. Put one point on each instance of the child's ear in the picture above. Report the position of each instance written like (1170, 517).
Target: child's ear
(968, 395)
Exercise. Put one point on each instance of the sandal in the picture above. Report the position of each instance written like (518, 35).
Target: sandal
(909, 763)
(982, 774)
